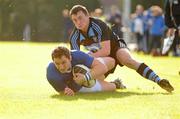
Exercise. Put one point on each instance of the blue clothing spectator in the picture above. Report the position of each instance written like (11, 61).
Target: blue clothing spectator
(138, 27)
(157, 30)
(158, 26)
(68, 25)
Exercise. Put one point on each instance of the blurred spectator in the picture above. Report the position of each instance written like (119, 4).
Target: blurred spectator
(172, 21)
(68, 25)
(156, 30)
(138, 27)
(27, 32)
(116, 21)
(148, 23)
(98, 13)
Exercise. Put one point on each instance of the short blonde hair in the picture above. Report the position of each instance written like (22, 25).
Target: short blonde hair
(157, 9)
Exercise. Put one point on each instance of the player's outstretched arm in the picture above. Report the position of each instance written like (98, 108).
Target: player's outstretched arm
(104, 51)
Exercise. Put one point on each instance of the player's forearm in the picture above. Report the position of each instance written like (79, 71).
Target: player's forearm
(104, 52)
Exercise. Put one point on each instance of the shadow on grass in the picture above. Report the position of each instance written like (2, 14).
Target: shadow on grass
(101, 95)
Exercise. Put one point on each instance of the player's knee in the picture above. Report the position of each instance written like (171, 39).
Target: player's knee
(110, 62)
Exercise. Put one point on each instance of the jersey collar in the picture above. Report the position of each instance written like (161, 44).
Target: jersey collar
(90, 32)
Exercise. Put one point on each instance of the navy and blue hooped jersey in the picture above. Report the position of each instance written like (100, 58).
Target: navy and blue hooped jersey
(60, 80)
(98, 31)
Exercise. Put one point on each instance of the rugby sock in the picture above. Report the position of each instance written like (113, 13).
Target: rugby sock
(148, 73)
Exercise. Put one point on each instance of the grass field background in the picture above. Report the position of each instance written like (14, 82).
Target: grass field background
(26, 94)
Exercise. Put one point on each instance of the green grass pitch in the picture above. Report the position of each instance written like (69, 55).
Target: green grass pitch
(26, 94)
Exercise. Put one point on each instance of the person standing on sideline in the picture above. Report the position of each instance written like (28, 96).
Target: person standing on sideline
(172, 21)
(138, 28)
(156, 31)
(68, 25)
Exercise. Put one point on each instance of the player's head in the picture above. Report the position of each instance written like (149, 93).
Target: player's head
(80, 17)
(61, 57)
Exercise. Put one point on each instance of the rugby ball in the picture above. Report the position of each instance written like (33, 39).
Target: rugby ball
(88, 81)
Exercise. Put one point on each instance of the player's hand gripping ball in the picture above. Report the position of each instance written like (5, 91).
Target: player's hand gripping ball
(88, 81)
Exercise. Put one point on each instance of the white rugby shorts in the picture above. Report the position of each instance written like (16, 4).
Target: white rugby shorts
(96, 88)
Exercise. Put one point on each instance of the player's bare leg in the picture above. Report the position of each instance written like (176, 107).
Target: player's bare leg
(108, 62)
(125, 58)
(107, 86)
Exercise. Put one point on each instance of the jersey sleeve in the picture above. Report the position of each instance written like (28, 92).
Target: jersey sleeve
(106, 31)
(60, 81)
(74, 43)
(54, 78)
